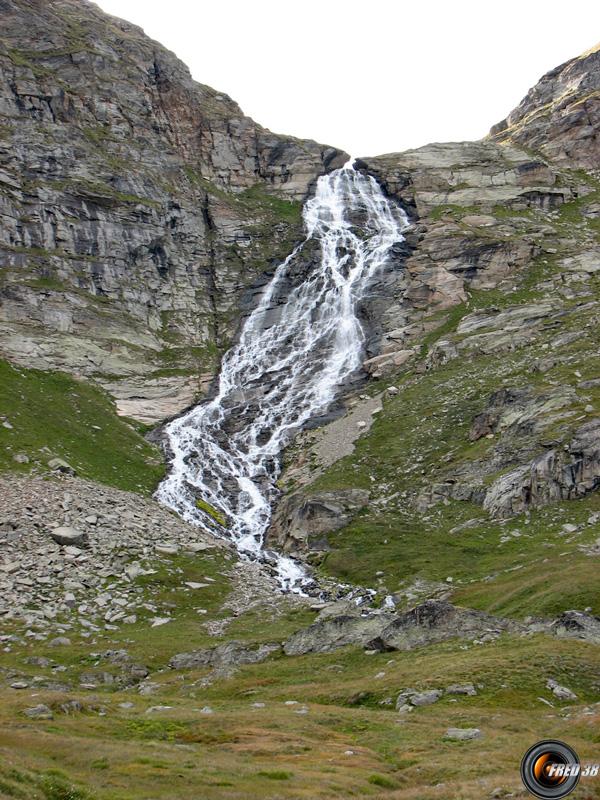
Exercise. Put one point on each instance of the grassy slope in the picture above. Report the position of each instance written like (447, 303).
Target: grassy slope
(348, 743)
(54, 415)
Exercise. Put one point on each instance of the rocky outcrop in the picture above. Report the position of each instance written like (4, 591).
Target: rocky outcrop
(437, 621)
(520, 410)
(329, 633)
(536, 469)
(476, 208)
(229, 654)
(302, 522)
(432, 621)
(560, 116)
(564, 474)
(137, 206)
(577, 625)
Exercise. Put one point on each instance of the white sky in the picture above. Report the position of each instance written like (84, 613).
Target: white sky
(370, 76)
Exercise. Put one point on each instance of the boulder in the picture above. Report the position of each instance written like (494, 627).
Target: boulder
(436, 621)
(463, 734)
(577, 625)
(230, 654)
(461, 688)
(59, 465)
(561, 692)
(387, 362)
(333, 632)
(40, 711)
(68, 536)
(166, 548)
(425, 698)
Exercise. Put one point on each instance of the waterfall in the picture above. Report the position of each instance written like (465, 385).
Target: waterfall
(295, 349)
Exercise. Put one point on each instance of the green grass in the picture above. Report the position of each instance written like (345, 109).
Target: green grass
(286, 210)
(339, 749)
(211, 511)
(275, 774)
(55, 415)
(421, 436)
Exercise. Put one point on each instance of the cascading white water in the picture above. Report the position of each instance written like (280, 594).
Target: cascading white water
(295, 349)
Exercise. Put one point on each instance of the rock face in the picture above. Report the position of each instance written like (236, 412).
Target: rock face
(459, 242)
(301, 522)
(429, 622)
(554, 475)
(560, 116)
(476, 204)
(137, 206)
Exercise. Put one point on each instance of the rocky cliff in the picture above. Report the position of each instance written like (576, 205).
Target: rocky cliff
(559, 117)
(491, 326)
(137, 206)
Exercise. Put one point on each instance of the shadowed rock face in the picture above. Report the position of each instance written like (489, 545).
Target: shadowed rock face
(560, 115)
(577, 625)
(429, 622)
(564, 474)
(137, 206)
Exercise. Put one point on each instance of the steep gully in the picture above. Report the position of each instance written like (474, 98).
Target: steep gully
(294, 351)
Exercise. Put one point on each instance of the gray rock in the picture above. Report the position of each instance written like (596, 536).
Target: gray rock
(302, 522)
(39, 712)
(166, 548)
(432, 621)
(230, 654)
(71, 707)
(560, 691)
(60, 641)
(59, 465)
(564, 474)
(577, 625)
(436, 621)
(463, 734)
(462, 688)
(425, 698)
(402, 701)
(333, 632)
(68, 536)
